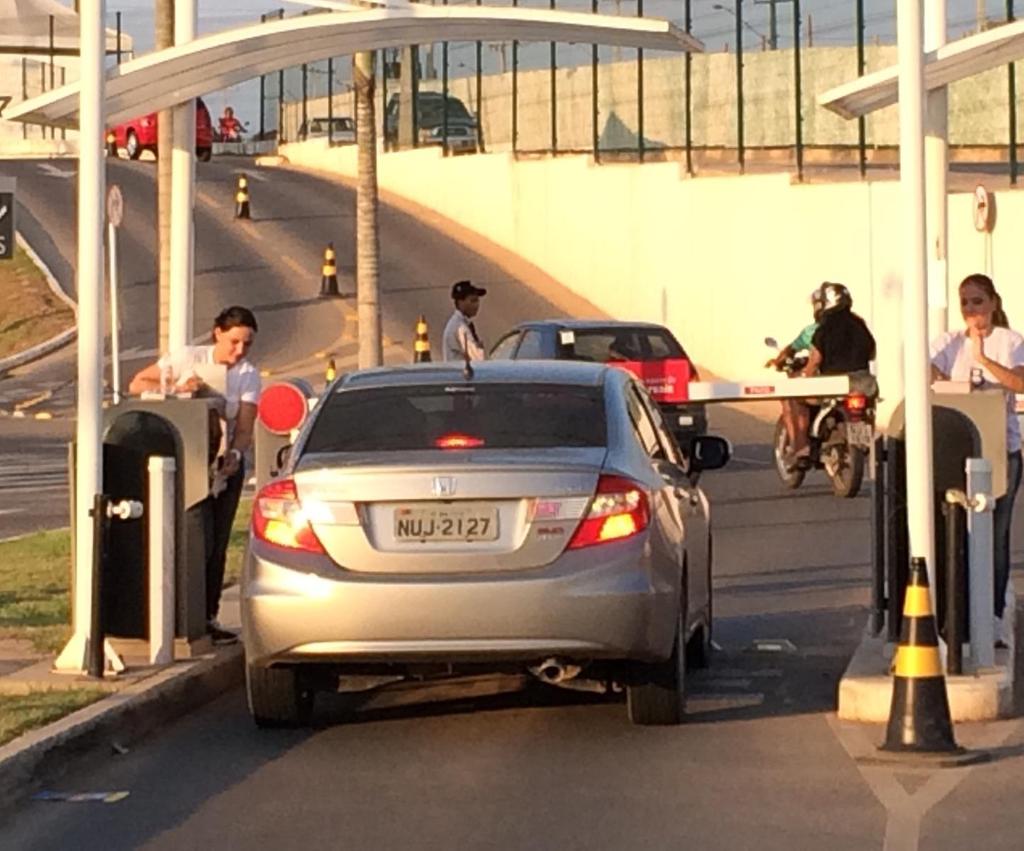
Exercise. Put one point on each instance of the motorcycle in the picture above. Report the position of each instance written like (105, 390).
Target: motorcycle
(841, 433)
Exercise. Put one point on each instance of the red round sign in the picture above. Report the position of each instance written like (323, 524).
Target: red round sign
(982, 209)
(282, 407)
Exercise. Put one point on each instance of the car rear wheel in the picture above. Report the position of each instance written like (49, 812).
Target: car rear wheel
(660, 697)
(132, 146)
(204, 154)
(277, 697)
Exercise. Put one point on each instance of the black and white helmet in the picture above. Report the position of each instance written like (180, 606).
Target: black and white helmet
(834, 297)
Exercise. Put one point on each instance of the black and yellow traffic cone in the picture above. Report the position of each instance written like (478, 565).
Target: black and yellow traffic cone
(422, 346)
(329, 276)
(242, 198)
(919, 718)
(331, 372)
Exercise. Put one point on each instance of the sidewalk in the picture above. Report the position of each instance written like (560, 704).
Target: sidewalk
(141, 699)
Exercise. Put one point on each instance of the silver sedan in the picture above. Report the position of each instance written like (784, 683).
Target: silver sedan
(510, 515)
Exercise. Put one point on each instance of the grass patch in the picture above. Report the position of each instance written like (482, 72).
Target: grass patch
(237, 543)
(21, 713)
(30, 313)
(35, 575)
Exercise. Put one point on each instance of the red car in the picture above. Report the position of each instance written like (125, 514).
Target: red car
(140, 134)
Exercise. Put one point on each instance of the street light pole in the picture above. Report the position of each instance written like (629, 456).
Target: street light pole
(183, 173)
(91, 193)
(916, 369)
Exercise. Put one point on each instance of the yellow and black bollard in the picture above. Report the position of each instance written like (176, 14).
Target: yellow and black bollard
(919, 719)
(331, 372)
(329, 275)
(422, 346)
(242, 198)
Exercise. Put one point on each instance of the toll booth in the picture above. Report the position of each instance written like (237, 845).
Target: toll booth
(186, 430)
(965, 424)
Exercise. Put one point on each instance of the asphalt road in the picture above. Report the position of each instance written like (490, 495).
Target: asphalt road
(760, 764)
(271, 263)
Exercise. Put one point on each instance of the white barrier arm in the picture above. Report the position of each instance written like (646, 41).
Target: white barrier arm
(771, 388)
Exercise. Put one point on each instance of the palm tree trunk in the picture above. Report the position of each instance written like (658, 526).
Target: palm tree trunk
(165, 142)
(367, 238)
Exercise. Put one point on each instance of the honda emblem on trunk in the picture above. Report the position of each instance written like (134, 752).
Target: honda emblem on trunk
(443, 486)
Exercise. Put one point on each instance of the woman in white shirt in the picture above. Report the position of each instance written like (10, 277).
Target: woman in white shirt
(988, 352)
(234, 330)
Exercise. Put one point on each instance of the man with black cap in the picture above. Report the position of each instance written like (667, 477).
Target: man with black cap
(460, 339)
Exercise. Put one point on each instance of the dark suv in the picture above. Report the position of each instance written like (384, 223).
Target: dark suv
(649, 351)
(430, 107)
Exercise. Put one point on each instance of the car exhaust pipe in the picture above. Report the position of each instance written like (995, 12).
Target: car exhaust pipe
(553, 671)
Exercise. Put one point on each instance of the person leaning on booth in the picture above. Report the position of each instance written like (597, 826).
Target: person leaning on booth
(989, 353)
(233, 332)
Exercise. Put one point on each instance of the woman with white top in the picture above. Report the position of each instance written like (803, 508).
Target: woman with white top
(988, 351)
(234, 330)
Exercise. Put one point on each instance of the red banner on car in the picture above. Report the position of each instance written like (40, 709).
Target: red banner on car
(666, 380)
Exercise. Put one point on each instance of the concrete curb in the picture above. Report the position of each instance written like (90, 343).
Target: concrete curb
(865, 690)
(42, 756)
(55, 342)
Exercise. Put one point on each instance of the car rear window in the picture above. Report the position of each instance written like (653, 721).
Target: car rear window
(623, 344)
(491, 416)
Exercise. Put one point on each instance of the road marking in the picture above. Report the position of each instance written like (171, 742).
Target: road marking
(906, 811)
(293, 264)
(51, 170)
(12, 511)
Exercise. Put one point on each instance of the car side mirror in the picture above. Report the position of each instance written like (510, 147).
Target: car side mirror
(282, 457)
(708, 452)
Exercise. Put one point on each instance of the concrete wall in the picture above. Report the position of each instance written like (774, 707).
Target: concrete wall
(23, 77)
(724, 261)
(978, 107)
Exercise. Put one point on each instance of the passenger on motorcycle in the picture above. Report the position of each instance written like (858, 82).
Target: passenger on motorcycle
(841, 345)
(801, 343)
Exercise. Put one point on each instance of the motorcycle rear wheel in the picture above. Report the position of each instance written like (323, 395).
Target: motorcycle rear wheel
(792, 477)
(846, 469)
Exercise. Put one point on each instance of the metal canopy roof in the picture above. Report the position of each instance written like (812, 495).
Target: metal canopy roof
(955, 61)
(162, 79)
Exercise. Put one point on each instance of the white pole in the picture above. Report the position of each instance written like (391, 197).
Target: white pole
(115, 321)
(161, 560)
(917, 373)
(182, 195)
(979, 537)
(91, 179)
(936, 164)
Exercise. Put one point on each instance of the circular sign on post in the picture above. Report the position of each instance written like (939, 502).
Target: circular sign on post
(983, 209)
(115, 205)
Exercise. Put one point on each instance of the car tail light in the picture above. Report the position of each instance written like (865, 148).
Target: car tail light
(458, 441)
(619, 509)
(856, 404)
(278, 518)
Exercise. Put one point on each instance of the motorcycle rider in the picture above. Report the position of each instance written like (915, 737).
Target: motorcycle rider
(801, 343)
(841, 345)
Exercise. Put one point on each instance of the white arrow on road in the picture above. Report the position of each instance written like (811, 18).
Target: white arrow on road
(51, 170)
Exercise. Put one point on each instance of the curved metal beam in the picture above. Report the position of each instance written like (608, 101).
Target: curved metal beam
(162, 79)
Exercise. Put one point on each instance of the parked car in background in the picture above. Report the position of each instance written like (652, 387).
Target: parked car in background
(417, 527)
(649, 351)
(140, 134)
(340, 128)
(430, 107)
(461, 138)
